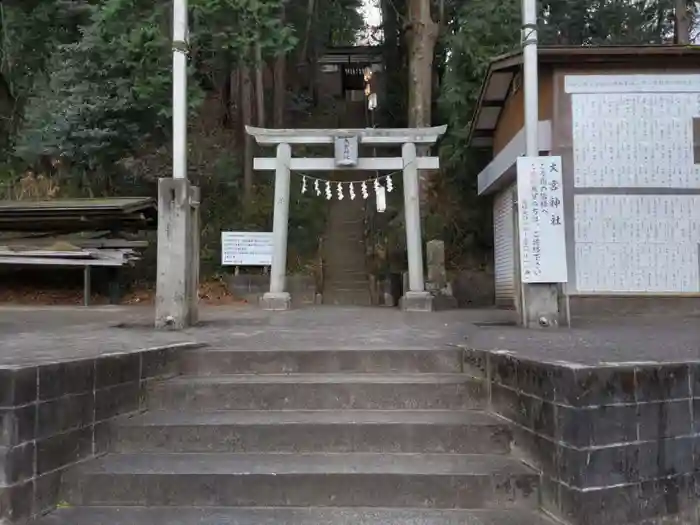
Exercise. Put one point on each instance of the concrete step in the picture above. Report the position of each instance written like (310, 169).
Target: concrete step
(346, 257)
(339, 284)
(288, 516)
(347, 217)
(313, 480)
(345, 270)
(319, 392)
(306, 431)
(350, 275)
(337, 297)
(354, 289)
(222, 361)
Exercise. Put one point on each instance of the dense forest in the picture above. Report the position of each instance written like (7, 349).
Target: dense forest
(85, 91)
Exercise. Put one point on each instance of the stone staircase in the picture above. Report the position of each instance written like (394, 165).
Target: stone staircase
(345, 274)
(366, 437)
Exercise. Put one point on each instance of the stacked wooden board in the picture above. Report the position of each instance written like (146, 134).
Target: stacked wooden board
(77, 215)
(80, 233)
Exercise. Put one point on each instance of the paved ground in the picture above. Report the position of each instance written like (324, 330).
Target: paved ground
(29, 335)
(610, 339)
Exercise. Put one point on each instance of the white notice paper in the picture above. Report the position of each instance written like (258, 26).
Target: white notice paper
(541, 220)
(246, 248)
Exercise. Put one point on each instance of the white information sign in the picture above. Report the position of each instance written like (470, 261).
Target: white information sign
(637, 243)
(541, 220)
(635, 140)
(246, 248)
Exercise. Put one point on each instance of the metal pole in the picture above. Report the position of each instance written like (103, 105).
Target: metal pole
(530, 78)
(180, 43)
(540, 306)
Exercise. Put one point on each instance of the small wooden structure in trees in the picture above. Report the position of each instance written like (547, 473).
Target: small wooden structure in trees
(415, 298)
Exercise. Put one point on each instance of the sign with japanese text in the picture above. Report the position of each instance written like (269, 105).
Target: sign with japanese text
(541, 220)
(346, 151)
(246, 248)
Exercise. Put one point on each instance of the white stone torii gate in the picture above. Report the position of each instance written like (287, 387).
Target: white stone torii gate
(414, 299)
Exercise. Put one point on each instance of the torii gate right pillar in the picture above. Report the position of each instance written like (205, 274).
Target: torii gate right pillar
(415, 299)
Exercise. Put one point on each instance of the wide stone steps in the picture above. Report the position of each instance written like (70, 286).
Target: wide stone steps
(289, 516)
(216, 361)
(311, 480)
(307, 437)
(319, 392)
(307, 431)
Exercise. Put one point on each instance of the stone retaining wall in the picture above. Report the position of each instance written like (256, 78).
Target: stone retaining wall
(615, 444)
(55, 415)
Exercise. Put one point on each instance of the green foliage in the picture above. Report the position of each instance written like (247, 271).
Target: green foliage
(338, 22)
(106, 94)
(31, 29)
(607, 22)
(234, 27)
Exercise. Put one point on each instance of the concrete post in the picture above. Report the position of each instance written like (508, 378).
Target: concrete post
(416, 298)
(174, 285)
(277, 298)
(195, 231)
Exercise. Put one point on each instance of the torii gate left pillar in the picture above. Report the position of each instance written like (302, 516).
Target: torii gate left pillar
(415, 298)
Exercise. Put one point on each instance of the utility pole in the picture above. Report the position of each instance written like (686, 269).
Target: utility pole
(682, 19)
(180, 44)
(177, 283)
(540, 301)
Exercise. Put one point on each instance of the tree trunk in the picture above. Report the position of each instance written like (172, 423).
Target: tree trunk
(422, 36)
(235, 98)
(279, 76)
(259, 85)
(280, 95)
(682, 35)
(301, 80)
(247, 119)
(227, 103)
(310, 8)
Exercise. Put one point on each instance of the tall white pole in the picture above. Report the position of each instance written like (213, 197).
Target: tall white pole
(530, 80)
(180, 42)
(540, 307)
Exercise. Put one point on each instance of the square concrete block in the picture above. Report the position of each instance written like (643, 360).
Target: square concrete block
(276, 301)
(417, 302)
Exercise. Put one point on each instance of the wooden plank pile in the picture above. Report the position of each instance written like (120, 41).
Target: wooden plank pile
(77, 215)
(74, 232)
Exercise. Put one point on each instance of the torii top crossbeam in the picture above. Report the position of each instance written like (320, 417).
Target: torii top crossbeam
(372, 136)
